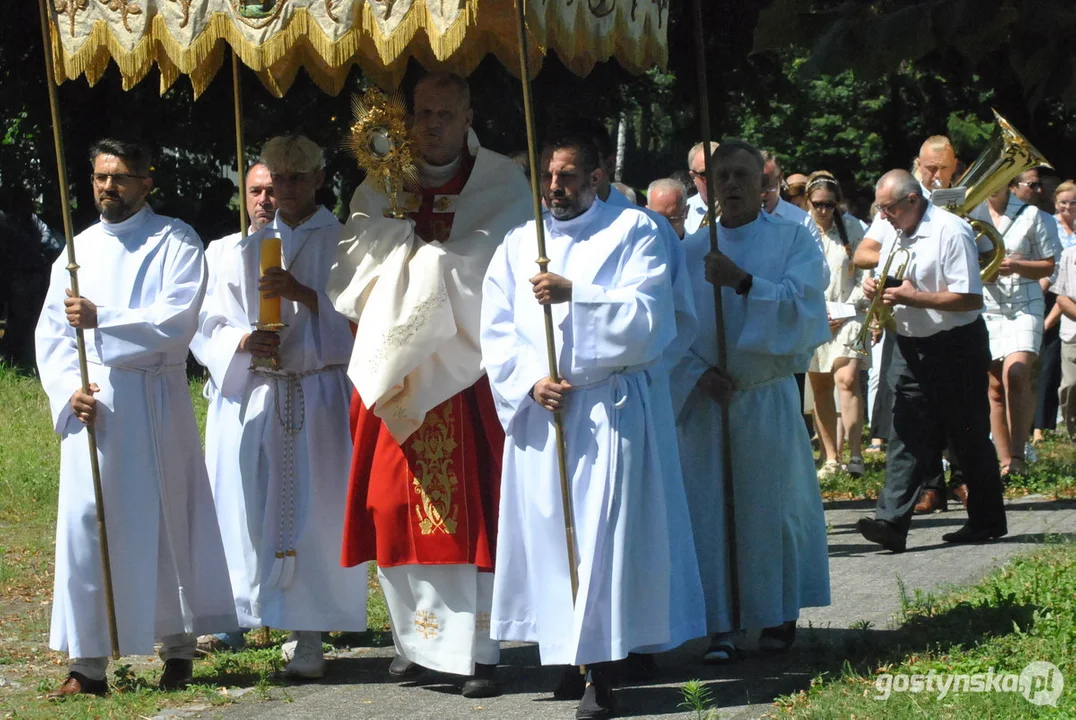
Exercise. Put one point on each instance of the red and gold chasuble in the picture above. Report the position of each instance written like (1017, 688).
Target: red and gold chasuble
(434, 499)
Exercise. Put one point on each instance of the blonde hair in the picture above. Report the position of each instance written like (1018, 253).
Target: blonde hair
(1067, 186)
(938, 142)
(696, 149)
(292, 153)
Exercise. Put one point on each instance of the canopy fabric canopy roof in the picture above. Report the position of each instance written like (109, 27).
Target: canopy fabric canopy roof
(277, 37)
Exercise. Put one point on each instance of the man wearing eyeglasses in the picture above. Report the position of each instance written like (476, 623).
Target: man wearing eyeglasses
(939, 366)
(696, 204)
(142, 279)
(773, 204)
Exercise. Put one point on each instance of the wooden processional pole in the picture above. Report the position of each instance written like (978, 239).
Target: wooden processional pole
(543, 265)
(80, 339)
(240, 155)
(722, 345)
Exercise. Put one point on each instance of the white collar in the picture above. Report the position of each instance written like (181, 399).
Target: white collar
(130, 224)
(577, 227)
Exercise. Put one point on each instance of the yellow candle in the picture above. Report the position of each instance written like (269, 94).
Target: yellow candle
(271, 257)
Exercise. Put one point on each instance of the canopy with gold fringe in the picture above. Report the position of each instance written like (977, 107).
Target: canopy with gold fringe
(277, 37)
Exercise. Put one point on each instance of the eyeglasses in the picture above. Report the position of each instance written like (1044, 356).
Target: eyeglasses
(767, 191)
(700, 174)
(888, 209)
(289, 178)
(1034, 185)
(824, 205)
(117, 178)
(1066, 203)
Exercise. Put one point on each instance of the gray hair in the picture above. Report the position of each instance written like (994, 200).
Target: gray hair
(667, 185)
(734, 145)
(696, 149)
(292, 153)
(627, 190)
(902, 182)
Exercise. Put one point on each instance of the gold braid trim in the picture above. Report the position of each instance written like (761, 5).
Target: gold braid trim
(303, 43)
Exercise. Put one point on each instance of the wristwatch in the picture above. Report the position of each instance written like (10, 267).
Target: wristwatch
(745, 285)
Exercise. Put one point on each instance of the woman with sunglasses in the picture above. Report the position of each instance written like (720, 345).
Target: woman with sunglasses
(834, 363)
(1013, 308)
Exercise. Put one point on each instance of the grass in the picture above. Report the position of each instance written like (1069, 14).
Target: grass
(1024, 612)
(29, 479)
(1054, 475)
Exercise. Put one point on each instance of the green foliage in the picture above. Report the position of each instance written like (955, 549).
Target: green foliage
(698, 700)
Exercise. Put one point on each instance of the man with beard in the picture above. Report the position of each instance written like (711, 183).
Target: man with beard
(614, 316)
(425, 474)
(142, 277)
(775, 316)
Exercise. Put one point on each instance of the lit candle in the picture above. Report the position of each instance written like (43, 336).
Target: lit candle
(271, 257)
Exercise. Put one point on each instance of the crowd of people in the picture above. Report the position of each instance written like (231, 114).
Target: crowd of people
(402, 408)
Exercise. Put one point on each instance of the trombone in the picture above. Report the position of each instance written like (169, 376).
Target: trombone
(879, 313)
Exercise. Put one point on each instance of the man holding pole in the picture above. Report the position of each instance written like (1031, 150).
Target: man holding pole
(143, 278)
(425, 474)
(613, 317)
(775, 316)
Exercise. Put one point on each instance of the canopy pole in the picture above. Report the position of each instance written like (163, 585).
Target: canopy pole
(240, 157)
(722, 345)
(80, 339)
(543, 266)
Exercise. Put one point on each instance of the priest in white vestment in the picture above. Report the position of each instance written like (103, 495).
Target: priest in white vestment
(222, 413)
(775, 316)
(614, 316)
(282, 461)
(426, 468)
(142, 279)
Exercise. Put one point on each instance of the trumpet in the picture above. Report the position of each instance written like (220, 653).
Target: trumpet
(878, 313)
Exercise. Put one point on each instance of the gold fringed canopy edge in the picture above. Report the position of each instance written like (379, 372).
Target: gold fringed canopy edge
(302, 43)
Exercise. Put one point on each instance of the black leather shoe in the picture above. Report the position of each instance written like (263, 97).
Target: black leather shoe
(572, 685)
(483, 684)
(401, 667)
(969, 534)
(177, 675)
(597, 702)
(882, 533)
(78, 684)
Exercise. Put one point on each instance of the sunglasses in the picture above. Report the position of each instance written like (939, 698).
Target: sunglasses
(824, 205)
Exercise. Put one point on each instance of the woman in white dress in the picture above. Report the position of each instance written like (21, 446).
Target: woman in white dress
(834, 364)
(1013, 308)
(1065, 204)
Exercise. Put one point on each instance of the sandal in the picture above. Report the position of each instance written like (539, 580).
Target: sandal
(722, 651)
(778, 639)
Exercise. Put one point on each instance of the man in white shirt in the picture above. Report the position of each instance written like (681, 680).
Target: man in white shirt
(696, 204)
(940, 363)
(774, 204)
(1065, 289)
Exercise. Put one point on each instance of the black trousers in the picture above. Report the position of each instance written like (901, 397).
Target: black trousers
(1049, 374)
(939, 396)
(881, 420)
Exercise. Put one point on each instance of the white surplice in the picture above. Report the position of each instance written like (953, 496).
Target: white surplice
(609, 338)
(147, 277)
(682, 548)
(772, 332)
(282, 467)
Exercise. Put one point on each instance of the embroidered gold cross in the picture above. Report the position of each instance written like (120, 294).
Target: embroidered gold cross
(426, 623)
(481, 622)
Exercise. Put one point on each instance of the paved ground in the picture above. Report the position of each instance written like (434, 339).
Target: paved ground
(864, 583)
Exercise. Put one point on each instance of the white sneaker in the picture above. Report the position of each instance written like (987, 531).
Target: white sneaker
(829, 469)
(287, 650)
(307, 659)
(855, 466)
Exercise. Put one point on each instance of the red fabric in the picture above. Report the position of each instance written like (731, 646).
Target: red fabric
(386, 517)
(430, 225)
